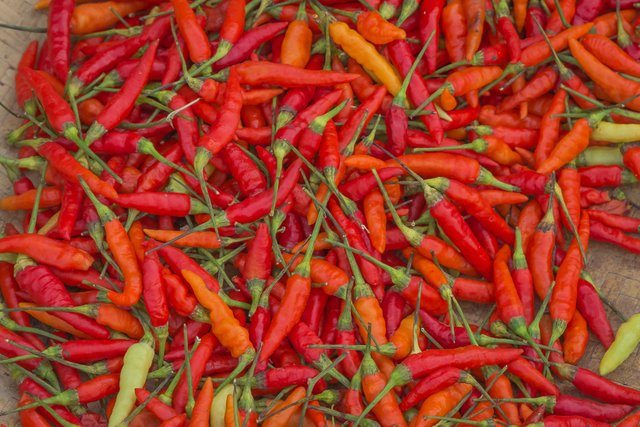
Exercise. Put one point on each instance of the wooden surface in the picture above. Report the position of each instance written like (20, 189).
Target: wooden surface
(616, 271)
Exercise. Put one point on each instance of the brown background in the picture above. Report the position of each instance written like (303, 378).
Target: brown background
(616, 271)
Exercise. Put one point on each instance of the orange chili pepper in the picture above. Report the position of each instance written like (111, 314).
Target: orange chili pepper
(296, 46)
(92, 17)
(373, 27)
(576, 339)
(386, 410)
(224, 325)
(198, 239)
(441, 403)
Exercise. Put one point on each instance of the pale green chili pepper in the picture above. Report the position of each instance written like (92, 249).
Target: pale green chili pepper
(627, 339)
(137, 361)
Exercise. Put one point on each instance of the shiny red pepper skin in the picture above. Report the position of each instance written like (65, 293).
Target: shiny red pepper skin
(48, 291)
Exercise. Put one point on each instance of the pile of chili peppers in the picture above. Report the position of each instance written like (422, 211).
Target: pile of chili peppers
(268, 213)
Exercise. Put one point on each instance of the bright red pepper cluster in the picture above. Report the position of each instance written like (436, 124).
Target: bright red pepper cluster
(267, 213)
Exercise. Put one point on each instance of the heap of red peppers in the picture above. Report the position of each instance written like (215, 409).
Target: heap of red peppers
(243, 213)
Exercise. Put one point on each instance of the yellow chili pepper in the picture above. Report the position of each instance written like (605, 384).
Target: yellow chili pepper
(358, 48)
(616, 132)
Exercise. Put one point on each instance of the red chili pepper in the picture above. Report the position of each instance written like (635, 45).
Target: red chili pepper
(429, 18)
(249, 42)
(158, 408)
(232, 28)
(47, 251)
(400, 55)
(104, 62)
(263, 72)
(198, 361)
(59, 37)
(222, 132)
(540, 254)
(119, 107)
(47, 290)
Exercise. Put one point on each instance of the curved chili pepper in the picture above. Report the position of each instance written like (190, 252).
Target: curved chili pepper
(120, 106)
(47, 290)
(365, 54)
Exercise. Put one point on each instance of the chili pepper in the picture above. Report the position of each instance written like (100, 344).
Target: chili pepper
(202, 408)
(540, 84)
(567, 148)
(465, 81)
(200, 356)
(375, 386)
(22, 89)
(69, 167)
(625, 342)
(441, 403)
(248, 42)
(632, 160)
(47, 290)
(49, 197)
(431, 384)
(365, 54)
(47, 251)
(575, 342)
(103, 62)
(232, 28)
(296, 46)
(137, 362)
(527, 372)
(59, 37)
(569, 405)
(92, 17)
(475, 12)
(592, 384)
(501, 389)
(508, 301)
(420, 364)
(157, 175)
(282, 411)
(376, 29)
(263, 72)
(610, 54)
(563, 299)
(30, 417)
(400, 55)
(615, 86)
(190, 29)
(537, 52)
(246, 173)
(120, 106)
(592, 309)
(157, 203)
(123, 253)
(507, 29)
(221, 133)
(178, 294)
(549, 128)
